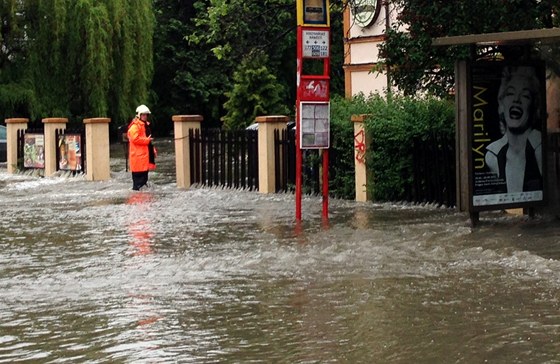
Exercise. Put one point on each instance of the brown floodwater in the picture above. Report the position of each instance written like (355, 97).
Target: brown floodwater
(94, 272)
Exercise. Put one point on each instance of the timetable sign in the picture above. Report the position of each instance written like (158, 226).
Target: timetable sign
(315, 43)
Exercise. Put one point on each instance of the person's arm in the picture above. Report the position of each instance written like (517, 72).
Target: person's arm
(491, 160)
(134, 136)
(538, 156)
(535, 138)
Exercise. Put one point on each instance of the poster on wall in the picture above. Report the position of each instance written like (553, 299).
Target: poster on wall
(70, 152)
(508, 109)
(34, 150)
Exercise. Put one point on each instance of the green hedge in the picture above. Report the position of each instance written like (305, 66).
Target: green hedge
(393, 125)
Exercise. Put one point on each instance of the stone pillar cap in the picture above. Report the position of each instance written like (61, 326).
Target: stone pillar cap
(55, 120)
(186, 118)
(359, 118)
(272, 119)
(17, 120)
(97, 121)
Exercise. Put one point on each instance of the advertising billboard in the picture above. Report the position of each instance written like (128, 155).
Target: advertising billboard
(70, 152)
(34, 150)
(508, 116)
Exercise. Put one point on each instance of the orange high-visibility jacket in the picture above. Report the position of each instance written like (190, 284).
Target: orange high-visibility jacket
(138, 144)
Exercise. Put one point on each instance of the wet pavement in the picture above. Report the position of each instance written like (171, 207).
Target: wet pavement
(95, 272)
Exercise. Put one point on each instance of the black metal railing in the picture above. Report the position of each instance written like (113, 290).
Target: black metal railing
(433, 171)
(123, 139)
(285, 159)
(224, 158)
(20, 147)
(553, 146)
(285, 164)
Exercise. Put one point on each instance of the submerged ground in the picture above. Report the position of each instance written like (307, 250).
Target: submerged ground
(94, 272)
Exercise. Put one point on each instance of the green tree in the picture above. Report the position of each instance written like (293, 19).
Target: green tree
(188, 78)
(233, 29)
(255, 92)
(415, 65)
(16, 97)
(76, 58)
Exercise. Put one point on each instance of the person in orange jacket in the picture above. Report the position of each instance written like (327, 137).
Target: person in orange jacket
(141, 151)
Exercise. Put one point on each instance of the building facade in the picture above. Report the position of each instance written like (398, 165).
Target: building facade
(365, 24)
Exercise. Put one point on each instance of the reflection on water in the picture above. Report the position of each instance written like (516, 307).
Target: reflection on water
(139, 225)
(95, 272)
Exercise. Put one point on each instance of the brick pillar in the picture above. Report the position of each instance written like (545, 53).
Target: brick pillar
(51, 125)
(12, 127)
(361, 141)
(97, 149)
(181, 126)
(267, 126)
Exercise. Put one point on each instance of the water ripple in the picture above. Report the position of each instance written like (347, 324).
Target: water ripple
(94, 272)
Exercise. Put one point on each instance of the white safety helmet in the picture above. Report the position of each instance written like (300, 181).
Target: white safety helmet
(142, 109)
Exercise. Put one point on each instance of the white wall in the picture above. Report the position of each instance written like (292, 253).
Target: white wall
(362, 54)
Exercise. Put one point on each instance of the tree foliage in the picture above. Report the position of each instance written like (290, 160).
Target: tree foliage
(255, 92)
(415, 65)
(75, 58)
(231, 30)
(395, 124)
(235, 32)
(188, 78)
(82, 58)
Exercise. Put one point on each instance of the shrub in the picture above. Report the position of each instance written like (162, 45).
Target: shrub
(393, 125)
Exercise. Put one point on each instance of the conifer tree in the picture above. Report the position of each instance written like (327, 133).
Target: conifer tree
(255, 92)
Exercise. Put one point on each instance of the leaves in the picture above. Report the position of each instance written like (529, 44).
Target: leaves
(78, 58)
(417, 66)
(256, 92)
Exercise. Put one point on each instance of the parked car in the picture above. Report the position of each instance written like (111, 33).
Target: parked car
(3, 144)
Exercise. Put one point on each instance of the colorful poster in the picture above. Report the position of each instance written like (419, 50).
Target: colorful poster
(34, 151)
(508, 109)
(70, 152)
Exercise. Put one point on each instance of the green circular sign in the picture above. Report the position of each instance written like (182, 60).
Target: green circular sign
(365, 12)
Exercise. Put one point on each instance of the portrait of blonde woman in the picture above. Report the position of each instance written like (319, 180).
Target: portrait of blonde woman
(516, 157)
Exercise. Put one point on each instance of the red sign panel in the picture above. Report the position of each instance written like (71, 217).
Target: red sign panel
(314, 89)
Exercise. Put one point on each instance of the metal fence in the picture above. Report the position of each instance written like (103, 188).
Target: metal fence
(285, 164)
(284, 159)
(553, 146)
(433, 171)
(230, 159)
(224, 158)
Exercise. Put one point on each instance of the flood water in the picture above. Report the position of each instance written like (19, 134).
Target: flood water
(94, 272)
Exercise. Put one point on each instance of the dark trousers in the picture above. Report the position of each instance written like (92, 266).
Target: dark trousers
(139, 179)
